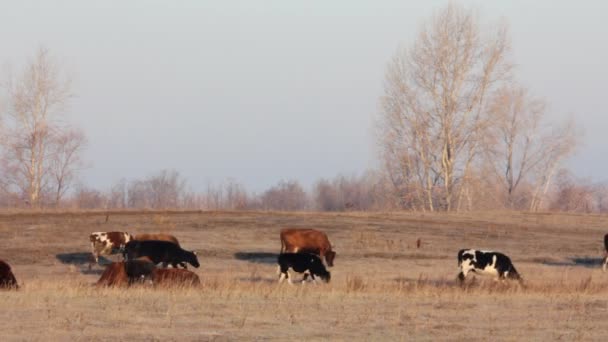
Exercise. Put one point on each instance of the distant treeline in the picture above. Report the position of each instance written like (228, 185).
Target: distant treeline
(371, 191)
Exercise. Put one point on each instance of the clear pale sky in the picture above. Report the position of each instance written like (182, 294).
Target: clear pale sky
(260, 91)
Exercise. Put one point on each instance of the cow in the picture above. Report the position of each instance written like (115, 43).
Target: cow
(115, 274)
(125, 273)
(486, 263)
(174, 277)
(157, 237)
(308, 241)
(7, 278)
(160, 252)
(308, 263)
(105, 243)
(606, 256)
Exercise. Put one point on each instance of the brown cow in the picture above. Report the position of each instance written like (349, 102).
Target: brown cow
(158, 237)
(115, 274)
(307, 240)
(174, 277)
(125, 273)
(7, 278)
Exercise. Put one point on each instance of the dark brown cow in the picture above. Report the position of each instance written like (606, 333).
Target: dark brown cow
(166, 277)
(7, 278)
(157, 237)
(309, 241)
(108, 243)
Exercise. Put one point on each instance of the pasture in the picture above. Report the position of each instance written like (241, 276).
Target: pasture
(383, 287)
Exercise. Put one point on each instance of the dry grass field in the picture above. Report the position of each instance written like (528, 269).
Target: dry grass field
(383, 287)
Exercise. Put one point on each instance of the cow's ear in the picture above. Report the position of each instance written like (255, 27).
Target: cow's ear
(194, 252)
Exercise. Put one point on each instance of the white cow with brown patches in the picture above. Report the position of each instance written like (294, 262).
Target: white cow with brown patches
(105, 243)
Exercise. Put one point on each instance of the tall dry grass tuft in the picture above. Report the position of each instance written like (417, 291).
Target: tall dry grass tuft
(355, 284)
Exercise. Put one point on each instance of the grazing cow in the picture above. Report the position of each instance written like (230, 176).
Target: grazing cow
(7, 278)
(307, 263)
(606, 256)
(308, 241)
(108, 243)
(160, 252)
(174, 276)
(486, 263)
(157, 237)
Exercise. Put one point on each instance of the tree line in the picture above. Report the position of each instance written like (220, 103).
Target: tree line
(456, 131)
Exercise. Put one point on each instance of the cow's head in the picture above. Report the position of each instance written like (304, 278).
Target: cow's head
(325, 276)
(193, 260)
(329, 257)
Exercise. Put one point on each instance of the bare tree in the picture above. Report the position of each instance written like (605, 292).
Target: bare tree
(558, 143)
(287, 195)
(435, 93)
(165, 189)
(36, 99)
(65, 160)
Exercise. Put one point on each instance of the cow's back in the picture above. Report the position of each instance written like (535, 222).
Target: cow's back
(157, 237)
(305, 239)
(174, 277)
(115, 274)
(156, 251)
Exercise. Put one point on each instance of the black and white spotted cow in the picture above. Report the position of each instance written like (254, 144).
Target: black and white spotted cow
(486, 263)
(307, 263)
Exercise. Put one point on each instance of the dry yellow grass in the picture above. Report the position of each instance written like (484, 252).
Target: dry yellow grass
(383, 287)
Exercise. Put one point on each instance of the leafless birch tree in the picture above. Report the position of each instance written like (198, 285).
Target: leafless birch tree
(435, 94)
(36, 99)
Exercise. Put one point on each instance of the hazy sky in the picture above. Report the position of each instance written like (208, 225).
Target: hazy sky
(261, 91)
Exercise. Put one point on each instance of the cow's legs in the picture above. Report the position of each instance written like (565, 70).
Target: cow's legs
(306, 274)
(282, 277)
(605, 262)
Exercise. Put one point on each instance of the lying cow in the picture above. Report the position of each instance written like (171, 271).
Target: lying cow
(115, 274)
(160, 252)
(307, 263)
(486, 263)
(157, 237)
(167, 277)
(7, 278)
(125, 273)
(105, 243)
(309, 241)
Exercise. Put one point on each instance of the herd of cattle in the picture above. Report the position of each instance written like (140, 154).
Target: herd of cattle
(303, 251)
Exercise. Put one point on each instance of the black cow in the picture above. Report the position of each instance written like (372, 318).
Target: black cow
(486, 263)
(160, 252)
(307, 263)
(139, 269)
